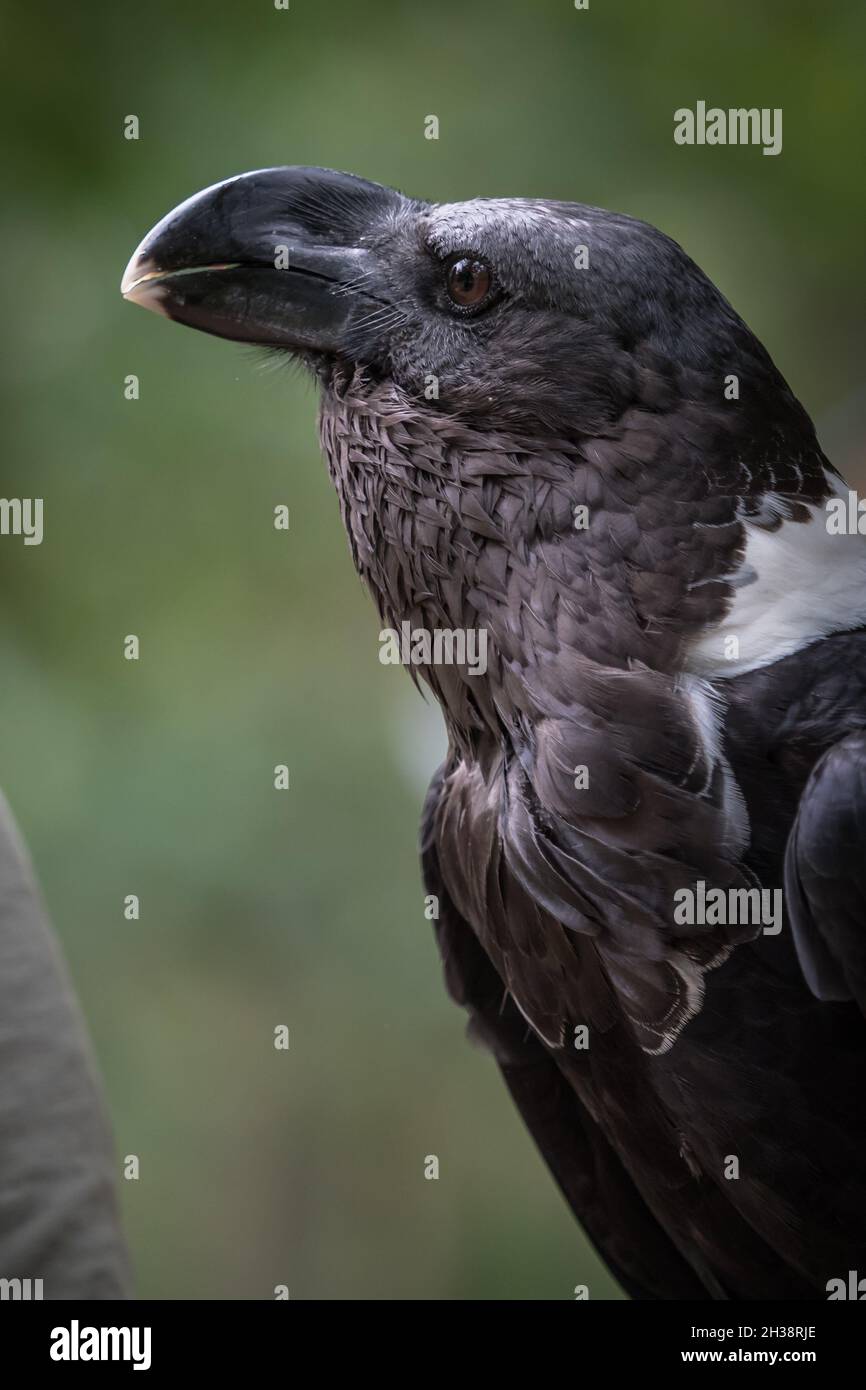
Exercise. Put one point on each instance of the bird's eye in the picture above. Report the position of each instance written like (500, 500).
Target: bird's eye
(468, 282)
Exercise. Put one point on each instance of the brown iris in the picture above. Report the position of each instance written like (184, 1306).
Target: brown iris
(467, 281)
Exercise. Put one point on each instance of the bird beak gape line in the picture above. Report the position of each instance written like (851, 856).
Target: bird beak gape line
(264, 258)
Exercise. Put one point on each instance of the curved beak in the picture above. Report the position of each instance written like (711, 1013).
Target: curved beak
(270, 257)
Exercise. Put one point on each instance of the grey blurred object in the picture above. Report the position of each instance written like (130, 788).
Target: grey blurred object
(58, 1210)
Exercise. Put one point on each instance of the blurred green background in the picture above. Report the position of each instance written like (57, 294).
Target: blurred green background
(258, 647)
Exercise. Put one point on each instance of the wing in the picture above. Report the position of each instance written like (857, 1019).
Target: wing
(58, 1220)
(590, 1175)
(825, 874)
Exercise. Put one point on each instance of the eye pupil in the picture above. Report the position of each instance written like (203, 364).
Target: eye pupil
(468, 281)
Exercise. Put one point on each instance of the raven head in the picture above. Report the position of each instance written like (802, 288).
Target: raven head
(511, 361)
(514, 314)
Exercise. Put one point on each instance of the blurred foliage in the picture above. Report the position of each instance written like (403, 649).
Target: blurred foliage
(305, 907)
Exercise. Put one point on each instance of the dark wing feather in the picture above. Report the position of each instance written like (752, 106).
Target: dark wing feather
(825, 874)
(590, 1175)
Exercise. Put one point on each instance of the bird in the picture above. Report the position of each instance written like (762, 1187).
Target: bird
(646, 845)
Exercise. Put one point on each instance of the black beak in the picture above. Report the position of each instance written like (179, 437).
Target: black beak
(272, 257)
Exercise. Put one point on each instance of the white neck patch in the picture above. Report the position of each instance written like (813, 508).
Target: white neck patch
(794, 585)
